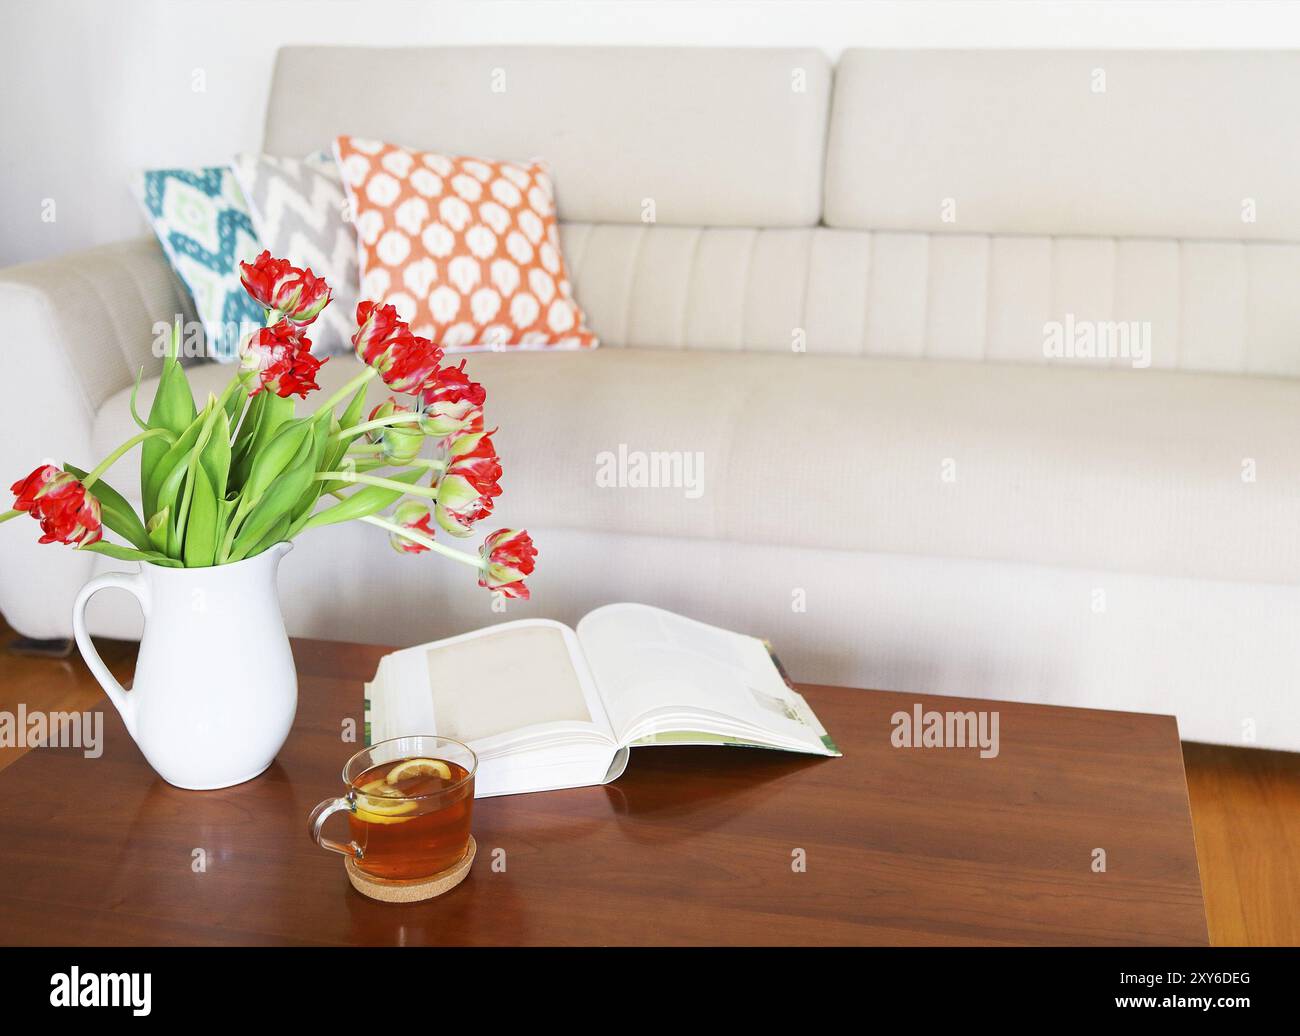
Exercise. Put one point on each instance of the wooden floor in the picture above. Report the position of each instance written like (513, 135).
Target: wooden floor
(1245, 803)
(1246, 814)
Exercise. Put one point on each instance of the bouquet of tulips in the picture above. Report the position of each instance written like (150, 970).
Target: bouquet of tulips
(245, 472)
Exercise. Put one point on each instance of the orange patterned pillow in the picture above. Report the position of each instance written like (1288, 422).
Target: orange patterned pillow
(466, 249)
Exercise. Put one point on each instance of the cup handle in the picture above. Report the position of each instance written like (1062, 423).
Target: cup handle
(316, 822)
(118, 695)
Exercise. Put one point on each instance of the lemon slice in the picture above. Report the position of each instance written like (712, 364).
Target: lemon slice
(366, 816)
(381, 788)
(379, 803)
(419, 768)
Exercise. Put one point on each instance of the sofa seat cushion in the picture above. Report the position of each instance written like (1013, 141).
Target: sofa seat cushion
(1185, 475)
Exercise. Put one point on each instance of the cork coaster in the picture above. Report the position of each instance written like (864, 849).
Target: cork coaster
(411, 890)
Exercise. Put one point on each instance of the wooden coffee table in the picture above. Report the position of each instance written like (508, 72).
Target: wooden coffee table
(690, 845)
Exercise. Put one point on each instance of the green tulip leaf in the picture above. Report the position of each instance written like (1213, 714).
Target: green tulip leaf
(245, 434)
(323, 457)
(335, 455)
(215, 457)
(201, 524)
(135, 391)
(209, 416)
(365, 501)
(273, 459)
(225, 511)
(269, 414)
(114, 550)
(234, 404)
(278, 532)
(266, 465)
(355, 408)
(173, 409)
(171, 468)
(158, 528)
(278, 500)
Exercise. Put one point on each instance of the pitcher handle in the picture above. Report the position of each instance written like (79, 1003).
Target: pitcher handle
(117, 694)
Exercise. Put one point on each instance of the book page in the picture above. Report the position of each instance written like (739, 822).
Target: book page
(503, 680)
(645, 659)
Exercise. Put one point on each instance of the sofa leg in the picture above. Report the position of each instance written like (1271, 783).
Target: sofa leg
(60, 647)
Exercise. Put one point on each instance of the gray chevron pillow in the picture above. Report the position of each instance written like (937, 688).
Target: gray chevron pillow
(298, 209)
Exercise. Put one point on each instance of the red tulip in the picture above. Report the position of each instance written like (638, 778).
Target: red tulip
(265, 277)
(413, 515)
(313, 295)
(67, 512)
(467, 487)
(383, 340)
(414, 362)
(507, 556)
(281, 356)
(453, 404)
(376, 325)
(290, 293)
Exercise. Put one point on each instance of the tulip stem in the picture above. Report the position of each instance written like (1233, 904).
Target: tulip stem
(235, 382)
(365, 454)
(117, 454)
(426, 462)
(405, 417)
(375, 480)
(425, 541)
(10, 514)
(348, 389)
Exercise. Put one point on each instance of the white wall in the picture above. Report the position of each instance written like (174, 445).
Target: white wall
(92, 90)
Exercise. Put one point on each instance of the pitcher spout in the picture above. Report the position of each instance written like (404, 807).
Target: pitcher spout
(269, 558)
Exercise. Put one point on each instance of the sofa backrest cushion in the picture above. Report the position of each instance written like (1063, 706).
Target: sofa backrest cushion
(704, 136)
(1190, 144)
(1124, 216)
(1224, 306)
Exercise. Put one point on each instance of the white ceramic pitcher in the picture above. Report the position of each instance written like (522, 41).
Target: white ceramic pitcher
(215, 688)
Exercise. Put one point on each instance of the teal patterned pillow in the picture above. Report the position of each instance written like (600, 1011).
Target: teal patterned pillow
(202, 222)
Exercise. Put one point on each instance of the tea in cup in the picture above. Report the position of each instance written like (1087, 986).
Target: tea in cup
(409, 802)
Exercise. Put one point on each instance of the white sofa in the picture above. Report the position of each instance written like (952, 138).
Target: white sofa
(841, 306)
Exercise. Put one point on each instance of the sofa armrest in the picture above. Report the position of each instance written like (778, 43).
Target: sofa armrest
(73, 331)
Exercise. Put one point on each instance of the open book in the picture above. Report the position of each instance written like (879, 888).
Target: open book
(548, 707)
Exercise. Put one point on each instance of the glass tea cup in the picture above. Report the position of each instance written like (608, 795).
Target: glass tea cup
(409, 801)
